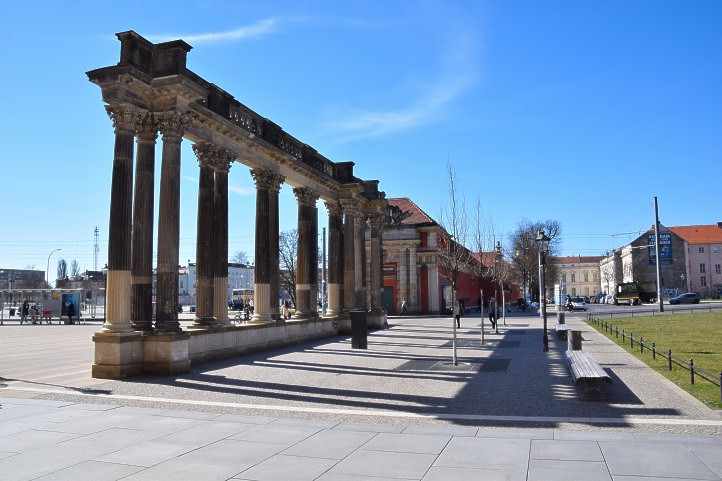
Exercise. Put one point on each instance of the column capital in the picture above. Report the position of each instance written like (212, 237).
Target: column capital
(305, 196)
(214, 156)
(352, 208)
(267, 179)
(376, 219)
(173, 124)
(333, 208)
(123, 117)
(146, 127)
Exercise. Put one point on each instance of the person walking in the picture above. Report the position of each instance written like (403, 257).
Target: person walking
(24, 311)
(492, 313)
(70, 311)
(404, 309)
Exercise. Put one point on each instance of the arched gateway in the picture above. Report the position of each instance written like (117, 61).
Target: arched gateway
(150, 91)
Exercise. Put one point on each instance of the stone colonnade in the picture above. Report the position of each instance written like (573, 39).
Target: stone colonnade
(131, 340)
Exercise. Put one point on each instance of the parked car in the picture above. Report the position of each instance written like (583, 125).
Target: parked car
(686, 298)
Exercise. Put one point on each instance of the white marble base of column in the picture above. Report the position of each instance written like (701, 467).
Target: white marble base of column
(117, 315)
(333, 308)
(262, 304)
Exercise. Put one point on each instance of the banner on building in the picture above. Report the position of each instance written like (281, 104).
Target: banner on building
(665, 248)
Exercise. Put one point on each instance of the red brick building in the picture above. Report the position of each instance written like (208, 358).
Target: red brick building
(411, 269)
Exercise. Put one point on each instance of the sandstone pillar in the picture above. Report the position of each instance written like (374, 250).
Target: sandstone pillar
(377, 316)
(267, 278)
(349, 256)
(143, 202)
(360, 300)
(205, 255)
(166, 316)
(220, 239)
(335, 260)
(307, 254)
(118, 350)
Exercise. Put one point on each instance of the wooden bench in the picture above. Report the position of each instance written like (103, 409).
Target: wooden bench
(587, 374)
(561, 330)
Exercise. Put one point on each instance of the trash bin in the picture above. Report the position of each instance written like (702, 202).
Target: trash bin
(359, 330)
(561, 317)
(575, 341)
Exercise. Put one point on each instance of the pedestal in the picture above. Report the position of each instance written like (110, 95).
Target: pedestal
(118, 355)
(166, 354)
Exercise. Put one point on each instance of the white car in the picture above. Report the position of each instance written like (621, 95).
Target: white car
(577, 304)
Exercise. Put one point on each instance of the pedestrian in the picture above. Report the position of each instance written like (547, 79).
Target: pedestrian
(461, 313)
(492, 313)
(24, 311)
(70, 311)
(457, 313)
(404, 309)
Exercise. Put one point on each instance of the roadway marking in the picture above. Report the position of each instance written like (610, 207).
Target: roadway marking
(387, 414)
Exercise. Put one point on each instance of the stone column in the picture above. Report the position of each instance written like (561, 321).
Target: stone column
(335, 260)
(265, 295)
(220, 238)
(376, 223)
(205, 255)
(349, 256)
(118, 349)
(166, 312)
(307, 254)
(143, 202)
(360, 261)
(118, 291)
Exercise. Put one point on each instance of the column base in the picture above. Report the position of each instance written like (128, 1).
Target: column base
(118, 355)
(376, 319)
(166, 354)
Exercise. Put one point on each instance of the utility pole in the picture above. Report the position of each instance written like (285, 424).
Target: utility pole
(323, 275)
(96, 236)
(656, 254)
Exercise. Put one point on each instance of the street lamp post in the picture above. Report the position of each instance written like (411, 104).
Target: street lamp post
(499, 257)
(543, 243)
(47, 268)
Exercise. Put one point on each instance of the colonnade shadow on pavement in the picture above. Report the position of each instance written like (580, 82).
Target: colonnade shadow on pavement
(329, 374)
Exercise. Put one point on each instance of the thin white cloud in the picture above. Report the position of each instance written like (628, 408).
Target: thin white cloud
(188, 178)
(260, 28)
(458, 75)
(242, 189)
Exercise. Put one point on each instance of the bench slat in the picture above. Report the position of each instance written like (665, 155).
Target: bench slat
(583, 367)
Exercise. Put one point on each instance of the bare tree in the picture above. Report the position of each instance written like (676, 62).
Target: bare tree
(452, 255)
(240, 257)
(287, 250)
(74, 268)
(484, 271)
(526, 252)
(62, 269)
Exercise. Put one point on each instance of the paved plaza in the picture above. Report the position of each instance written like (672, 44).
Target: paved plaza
(321, 410)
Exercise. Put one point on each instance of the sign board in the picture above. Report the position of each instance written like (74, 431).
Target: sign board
(665, 248)
(390, 270)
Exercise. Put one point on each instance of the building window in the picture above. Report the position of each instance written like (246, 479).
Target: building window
(715, 249)
(717, 269)
(703, 281)
(701, 268)
(586, 276)
(574, 289)
(574, 279)
(564, 278)
(700, 250)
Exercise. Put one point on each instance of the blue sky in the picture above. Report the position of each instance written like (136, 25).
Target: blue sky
(578, 111)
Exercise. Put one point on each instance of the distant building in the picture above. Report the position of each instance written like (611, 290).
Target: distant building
(240, 276)
(411, 272)
(703, 247)
(579, 274)
(636, 262)
(22, 279)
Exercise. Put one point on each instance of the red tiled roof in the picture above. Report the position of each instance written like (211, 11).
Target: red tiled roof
(699, 234)
(416, 215)
(576, 259)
